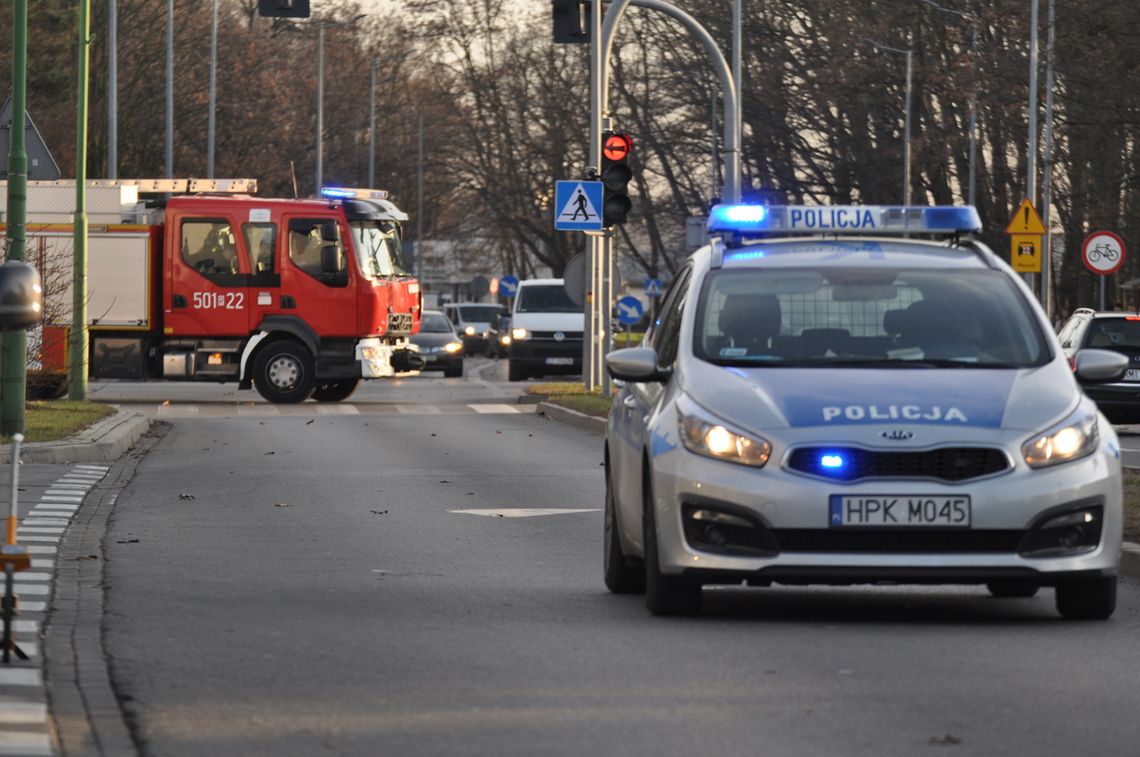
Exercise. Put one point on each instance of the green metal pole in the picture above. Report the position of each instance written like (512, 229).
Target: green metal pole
(77, 349)
(14, 360)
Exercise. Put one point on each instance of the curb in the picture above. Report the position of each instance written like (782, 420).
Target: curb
(1129, 552)
(101, 442)
(571, 417)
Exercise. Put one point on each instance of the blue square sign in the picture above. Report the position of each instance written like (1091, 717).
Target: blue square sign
(578, 205)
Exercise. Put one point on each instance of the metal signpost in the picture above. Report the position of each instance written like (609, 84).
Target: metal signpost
(1103, 253)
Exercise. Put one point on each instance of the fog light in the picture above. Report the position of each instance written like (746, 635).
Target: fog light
(715, 537)
(1075, 532)
(1071, 537)
(712, 530)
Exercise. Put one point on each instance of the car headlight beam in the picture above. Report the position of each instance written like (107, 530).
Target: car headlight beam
(704, 435)
(1075, 437)
(519, 334)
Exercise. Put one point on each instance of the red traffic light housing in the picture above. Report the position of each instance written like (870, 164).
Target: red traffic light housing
(615, 176)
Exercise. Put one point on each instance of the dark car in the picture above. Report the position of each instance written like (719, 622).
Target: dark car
(440, 346)
(475, 323)
(1118, 332)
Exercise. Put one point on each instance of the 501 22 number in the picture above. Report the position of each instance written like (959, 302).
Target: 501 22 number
(219, 300)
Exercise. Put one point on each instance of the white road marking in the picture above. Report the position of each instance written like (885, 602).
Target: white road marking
(32, 589)
(27, 576)
(337, 410)
(495, 409)
(417, 409)
(33, 606)
(40, 538)
(38, 530)
(525, 512)
(68, 507)
(23, 712)
(37, 549)
(21, 677)
(25, 744)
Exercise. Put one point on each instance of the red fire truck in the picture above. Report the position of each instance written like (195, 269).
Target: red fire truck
(296, 298)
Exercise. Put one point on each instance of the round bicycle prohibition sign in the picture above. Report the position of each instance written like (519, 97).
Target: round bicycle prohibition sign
(617, 146)
(1103, 252)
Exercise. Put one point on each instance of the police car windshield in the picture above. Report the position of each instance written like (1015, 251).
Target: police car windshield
(882, 317)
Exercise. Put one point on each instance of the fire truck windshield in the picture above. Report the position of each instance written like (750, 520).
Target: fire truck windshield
(378, 249)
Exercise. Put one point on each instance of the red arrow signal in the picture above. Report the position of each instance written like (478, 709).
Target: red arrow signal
(617, 146)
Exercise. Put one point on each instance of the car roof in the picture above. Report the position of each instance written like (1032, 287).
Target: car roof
(533, 282)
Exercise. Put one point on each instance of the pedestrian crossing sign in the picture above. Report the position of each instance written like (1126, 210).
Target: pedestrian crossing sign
(577, 205)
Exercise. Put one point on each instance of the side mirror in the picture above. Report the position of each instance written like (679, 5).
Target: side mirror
(21, 296)
(1099, 366)
(637, 364)
(328, 232)
(331, 260)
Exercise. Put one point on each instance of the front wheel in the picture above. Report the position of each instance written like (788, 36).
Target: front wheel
(283, 372)
(664, 595)
(620, 577)
(335, 391)
(1088, 599)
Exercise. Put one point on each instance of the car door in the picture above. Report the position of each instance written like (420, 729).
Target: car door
(207, 278)
(324, 299)
(636, 403)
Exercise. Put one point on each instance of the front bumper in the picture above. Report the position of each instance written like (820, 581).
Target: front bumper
(547, 355)
(804, 548)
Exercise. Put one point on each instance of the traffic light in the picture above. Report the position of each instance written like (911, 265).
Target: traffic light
(615, 176)
(572, 21)
(283, 8)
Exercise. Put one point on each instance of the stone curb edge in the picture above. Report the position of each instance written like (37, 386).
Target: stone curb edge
(102, 442)
(1129, 557)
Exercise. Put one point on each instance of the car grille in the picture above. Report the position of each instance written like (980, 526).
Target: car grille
(399, 323)
(945, 464)
(568, 336)
(886, 541)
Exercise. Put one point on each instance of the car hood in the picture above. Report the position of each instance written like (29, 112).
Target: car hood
(549, 321)
(433, 338)
(758, 398)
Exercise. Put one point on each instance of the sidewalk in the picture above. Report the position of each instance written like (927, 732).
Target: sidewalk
(1130, 553)
(102, 442)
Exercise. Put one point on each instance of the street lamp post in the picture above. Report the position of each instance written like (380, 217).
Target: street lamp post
(972, 180)
(906, 117)
(321, 90)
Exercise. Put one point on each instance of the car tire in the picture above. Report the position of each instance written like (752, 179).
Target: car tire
(1012, 588)
(620, 576)
(664, 595)
(455, 372)
(1087, 599)
(283, 372)
(515, 372)
(335, 391)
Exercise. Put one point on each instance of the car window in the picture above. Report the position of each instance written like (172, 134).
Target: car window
(1068, 331)
(480, 313)
(1120, 334)
(545, 298)
(435, 323)
(667, 333)
(859, 316)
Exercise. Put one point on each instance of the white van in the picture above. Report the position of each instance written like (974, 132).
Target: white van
(546, 331)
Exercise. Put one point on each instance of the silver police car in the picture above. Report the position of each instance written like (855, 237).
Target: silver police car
(849, 395)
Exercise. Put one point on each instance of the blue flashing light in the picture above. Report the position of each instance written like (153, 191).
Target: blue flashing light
(884, 220)
(831, 461)
(750, 255)
(337, 192)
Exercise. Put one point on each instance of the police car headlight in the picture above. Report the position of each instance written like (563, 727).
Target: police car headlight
(704, 434)
(1072, 439)
(519, 334)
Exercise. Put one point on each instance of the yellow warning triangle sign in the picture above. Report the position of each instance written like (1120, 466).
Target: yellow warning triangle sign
(1025, 220)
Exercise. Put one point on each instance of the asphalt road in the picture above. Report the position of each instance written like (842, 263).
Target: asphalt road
(310, 584)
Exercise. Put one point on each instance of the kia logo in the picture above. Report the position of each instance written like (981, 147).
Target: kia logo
(559, 336)
(897, 435)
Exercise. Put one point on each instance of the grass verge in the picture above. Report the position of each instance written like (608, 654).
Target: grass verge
(1132, 506)
(56, 420)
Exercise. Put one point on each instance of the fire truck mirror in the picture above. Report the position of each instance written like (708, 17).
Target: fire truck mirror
(21, 297)
(331, 259)
(328, 232)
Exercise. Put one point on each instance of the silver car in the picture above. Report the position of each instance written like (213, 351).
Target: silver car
(851, 395)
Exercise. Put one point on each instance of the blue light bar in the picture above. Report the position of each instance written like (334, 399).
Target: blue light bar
(350, 193)
(844, 219)
(831, 461)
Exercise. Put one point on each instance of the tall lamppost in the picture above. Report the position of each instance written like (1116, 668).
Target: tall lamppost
(973, 21)
(321, 26)
(906, 117)
(372, 115)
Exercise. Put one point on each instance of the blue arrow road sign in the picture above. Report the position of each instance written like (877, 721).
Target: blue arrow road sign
(629, 310)
(653, 288)
(508, 286)
(578, 206)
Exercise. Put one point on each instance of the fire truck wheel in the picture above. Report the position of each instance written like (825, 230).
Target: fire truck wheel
(335, 391)
(283, 372)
